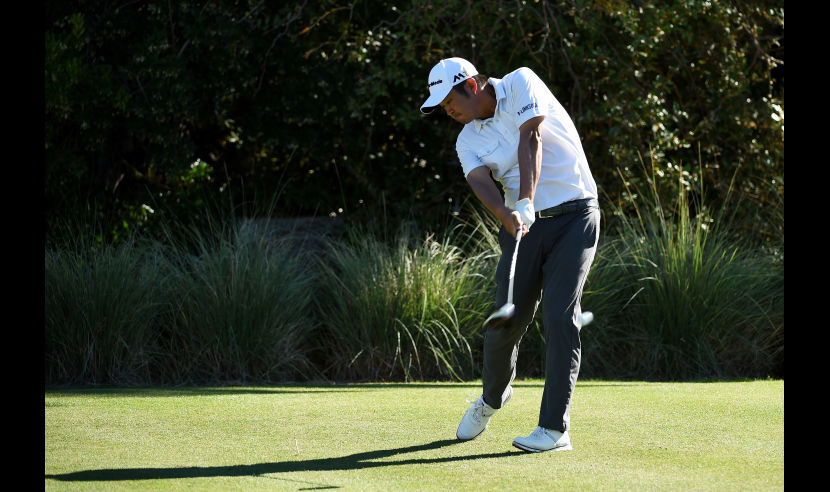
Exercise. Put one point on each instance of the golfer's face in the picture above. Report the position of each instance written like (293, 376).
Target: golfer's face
(459, 107)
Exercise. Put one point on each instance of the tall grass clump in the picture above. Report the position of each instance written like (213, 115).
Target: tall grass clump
(101, 308)
(240, 306)
(410, 310)
(677, 296)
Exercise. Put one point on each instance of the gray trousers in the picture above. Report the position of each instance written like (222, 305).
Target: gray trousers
(551, 267)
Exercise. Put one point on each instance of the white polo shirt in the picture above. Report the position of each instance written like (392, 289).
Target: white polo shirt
(520, 96)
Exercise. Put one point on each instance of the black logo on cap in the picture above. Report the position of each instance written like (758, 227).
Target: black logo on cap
(435, 82)
(460, 76)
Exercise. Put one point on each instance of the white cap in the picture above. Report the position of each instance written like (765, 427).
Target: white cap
(442, 77)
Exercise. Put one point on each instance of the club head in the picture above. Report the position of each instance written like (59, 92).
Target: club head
(501, 316)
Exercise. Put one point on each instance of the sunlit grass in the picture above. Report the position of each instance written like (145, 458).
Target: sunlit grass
(628, 435)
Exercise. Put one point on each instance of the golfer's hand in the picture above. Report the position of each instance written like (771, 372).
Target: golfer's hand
(513, 222)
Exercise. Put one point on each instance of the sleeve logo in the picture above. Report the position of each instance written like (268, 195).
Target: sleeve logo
(533, 105)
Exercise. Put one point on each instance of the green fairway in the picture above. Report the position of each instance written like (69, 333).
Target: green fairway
(626, 436)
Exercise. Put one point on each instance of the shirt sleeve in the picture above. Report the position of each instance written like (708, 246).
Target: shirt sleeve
(468, 157)
(469, 160)
(528, 95)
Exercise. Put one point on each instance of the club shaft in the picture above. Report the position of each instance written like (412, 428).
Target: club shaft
(513, 267)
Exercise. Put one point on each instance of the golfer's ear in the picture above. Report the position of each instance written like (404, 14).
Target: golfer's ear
(471, 85)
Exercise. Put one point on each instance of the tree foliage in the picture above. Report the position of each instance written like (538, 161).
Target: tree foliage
(155, 110)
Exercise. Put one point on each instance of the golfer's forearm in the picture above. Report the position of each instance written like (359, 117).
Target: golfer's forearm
(486, 191)
(530, 158)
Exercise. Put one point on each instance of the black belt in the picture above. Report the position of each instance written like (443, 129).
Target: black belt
(567, 207)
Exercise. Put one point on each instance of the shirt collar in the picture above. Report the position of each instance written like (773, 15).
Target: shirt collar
(501, 93)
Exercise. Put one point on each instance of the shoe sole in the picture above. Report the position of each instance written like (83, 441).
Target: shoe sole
(566, 447)
(470, 438)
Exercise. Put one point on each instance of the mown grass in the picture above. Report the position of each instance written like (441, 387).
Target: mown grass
(627, 435)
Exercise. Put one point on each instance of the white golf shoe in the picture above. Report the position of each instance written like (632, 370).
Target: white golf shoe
(543, 439)
(477, 417)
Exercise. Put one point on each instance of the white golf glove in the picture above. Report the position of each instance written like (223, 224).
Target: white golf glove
(525, 209)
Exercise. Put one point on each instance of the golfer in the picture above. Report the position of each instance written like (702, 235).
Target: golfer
(516, 133)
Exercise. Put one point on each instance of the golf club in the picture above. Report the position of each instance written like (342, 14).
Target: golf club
(504, 313)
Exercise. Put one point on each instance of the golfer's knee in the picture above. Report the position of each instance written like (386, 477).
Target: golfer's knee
(562, 321)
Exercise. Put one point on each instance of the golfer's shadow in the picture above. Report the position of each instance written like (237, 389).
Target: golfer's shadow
(351, 462)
